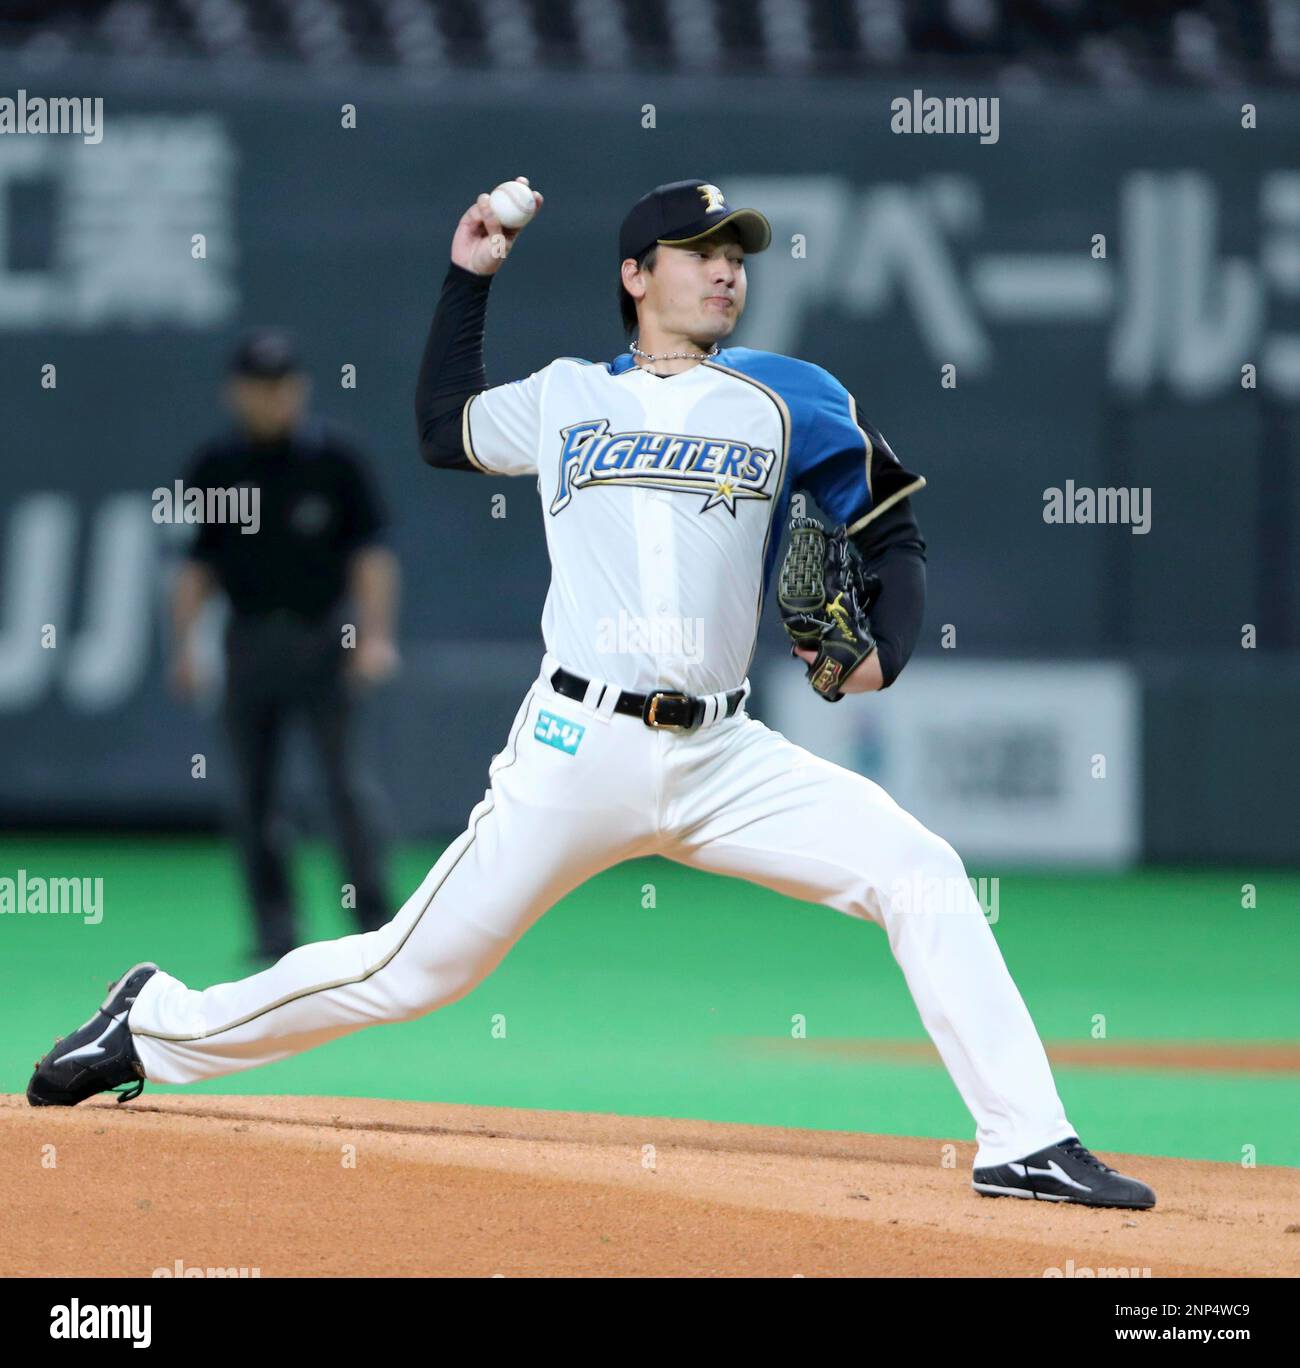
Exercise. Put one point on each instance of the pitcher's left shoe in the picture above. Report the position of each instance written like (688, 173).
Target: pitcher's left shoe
(1065, 1172)
(97, 1056)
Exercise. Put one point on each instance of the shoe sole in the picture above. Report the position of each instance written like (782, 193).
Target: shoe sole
(990, 1190)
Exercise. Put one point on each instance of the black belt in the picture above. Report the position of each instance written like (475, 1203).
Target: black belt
(680, 711)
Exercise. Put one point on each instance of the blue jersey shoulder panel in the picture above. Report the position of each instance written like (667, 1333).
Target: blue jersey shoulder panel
(829, 450)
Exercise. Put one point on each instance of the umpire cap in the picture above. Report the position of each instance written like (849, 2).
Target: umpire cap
(265, 354)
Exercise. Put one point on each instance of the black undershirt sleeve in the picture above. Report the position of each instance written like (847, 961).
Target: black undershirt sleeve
(451, 370)
(894, 549)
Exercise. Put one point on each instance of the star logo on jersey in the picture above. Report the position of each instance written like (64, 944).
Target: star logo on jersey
(724, 470)
(725, 495)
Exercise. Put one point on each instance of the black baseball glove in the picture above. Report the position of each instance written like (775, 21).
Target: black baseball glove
(825, 596)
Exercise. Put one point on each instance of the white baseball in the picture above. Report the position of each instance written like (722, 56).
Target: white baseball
(513, 204)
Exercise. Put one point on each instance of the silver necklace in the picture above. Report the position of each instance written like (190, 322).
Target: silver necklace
(670, 356)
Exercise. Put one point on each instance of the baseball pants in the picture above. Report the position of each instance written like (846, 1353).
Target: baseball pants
(733, 798)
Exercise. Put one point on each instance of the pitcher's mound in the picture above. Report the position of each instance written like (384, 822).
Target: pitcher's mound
(292, 1186)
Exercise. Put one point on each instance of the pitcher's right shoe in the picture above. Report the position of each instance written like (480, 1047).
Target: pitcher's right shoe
(97, 1056)
(1065, 1172)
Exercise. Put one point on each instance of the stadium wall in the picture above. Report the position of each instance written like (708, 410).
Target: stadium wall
(895, 256)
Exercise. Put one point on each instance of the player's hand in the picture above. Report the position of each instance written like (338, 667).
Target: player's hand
(480, 243)
(186, 677)
(865, 679)
(374, 660)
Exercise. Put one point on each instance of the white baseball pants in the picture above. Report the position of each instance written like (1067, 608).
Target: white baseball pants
(733, 798)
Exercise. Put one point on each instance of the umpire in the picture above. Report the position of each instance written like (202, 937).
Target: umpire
(295, 647)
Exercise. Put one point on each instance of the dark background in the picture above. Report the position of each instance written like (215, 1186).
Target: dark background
(343, 234)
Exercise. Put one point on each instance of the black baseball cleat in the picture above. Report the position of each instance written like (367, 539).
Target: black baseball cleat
(1065, 1172)
(98, 1056)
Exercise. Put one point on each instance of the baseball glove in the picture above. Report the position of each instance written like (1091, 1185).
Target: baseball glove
(824, 597)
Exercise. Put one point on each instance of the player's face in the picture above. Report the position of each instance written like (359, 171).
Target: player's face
(697, 291)
(268, 408)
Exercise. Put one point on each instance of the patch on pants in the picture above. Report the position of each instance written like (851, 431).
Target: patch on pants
(558, 732)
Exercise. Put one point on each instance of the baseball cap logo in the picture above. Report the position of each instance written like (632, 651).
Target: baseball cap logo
(686, 211)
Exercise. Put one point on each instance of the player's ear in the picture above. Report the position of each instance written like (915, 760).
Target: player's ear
(628, 272)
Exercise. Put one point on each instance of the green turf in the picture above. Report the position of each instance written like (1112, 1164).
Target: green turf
(685, 1009)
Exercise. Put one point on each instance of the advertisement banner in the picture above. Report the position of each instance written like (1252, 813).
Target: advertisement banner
(1028, 763)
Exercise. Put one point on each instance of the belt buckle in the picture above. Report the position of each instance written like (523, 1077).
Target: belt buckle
(652, 708)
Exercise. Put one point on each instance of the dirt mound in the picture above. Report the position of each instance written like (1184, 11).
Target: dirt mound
(340, 1186)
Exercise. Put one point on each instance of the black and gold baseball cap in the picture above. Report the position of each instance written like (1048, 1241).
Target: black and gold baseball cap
(686, 211)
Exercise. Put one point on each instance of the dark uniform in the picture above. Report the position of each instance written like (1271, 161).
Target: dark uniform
(284, 648)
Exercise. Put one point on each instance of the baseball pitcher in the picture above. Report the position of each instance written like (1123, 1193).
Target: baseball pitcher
(666, 478)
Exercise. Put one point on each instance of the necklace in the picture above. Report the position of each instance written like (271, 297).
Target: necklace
(669, 356)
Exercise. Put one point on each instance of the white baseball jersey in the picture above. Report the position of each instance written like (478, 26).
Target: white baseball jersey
(664, 501)
(665, 497)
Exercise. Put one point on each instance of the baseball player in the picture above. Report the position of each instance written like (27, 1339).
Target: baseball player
(666, 477)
